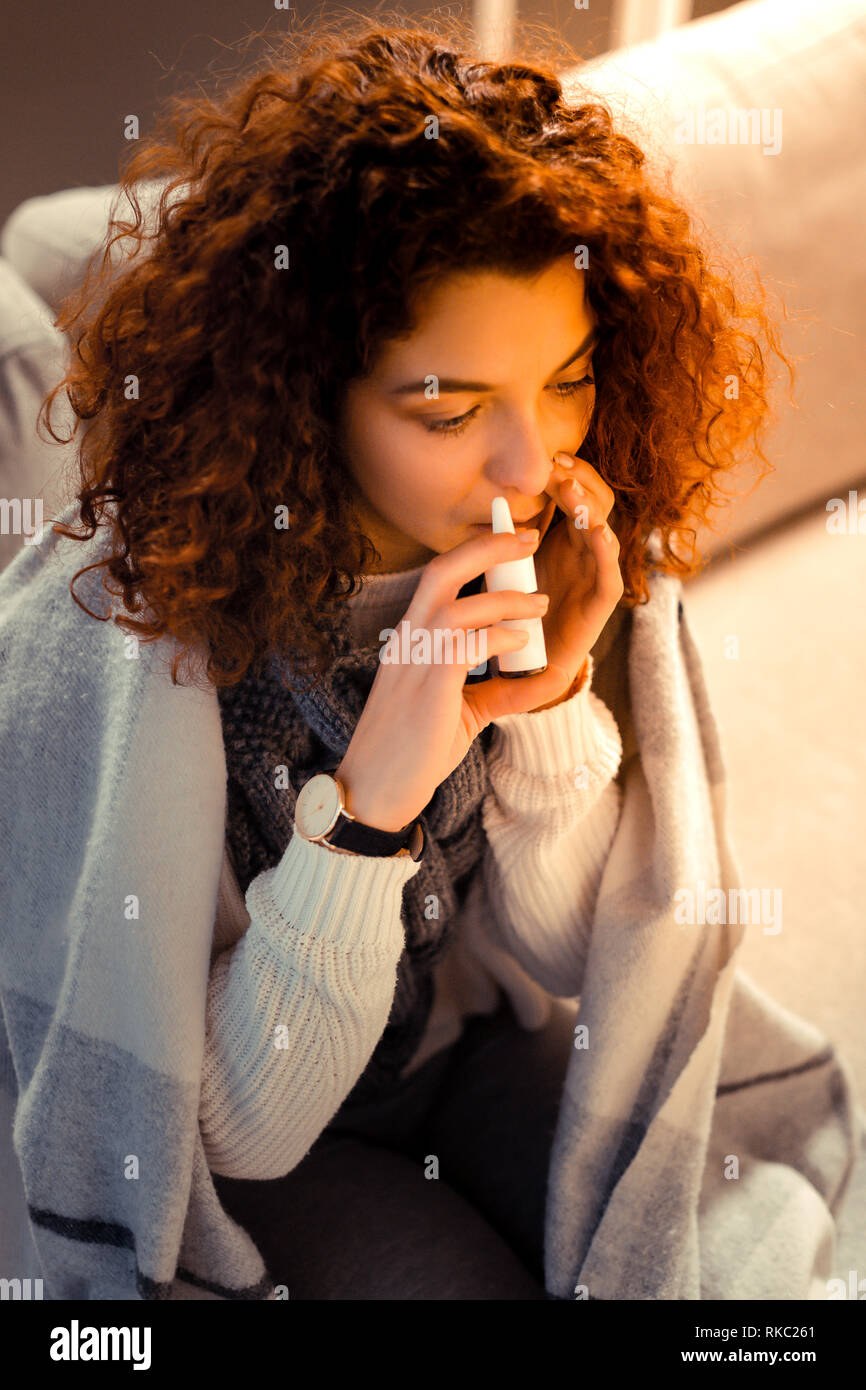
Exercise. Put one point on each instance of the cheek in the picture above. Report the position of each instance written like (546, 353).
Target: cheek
(397, 464)
(585, 410)
(404, 459)
(374, 446)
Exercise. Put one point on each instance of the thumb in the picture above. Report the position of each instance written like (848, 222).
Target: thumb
(493, 698)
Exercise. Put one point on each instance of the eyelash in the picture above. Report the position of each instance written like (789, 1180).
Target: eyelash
(450, 428)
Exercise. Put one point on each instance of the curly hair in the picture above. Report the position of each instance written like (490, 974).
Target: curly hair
(301, 218)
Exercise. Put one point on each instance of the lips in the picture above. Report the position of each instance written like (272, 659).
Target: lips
(528, 522)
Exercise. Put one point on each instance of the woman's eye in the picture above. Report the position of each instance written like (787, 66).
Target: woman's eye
(568, 388)
(460, 422)
(455, 426)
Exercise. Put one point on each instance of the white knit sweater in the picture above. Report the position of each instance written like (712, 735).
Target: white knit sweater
(304, 971)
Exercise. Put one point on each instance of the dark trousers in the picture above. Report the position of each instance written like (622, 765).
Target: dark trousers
(359, 1219)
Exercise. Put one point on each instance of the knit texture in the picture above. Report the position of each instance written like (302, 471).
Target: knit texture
(266, 727)
(474, 969)
(108, 894)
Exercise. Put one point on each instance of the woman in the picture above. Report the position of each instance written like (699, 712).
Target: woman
(391, 284)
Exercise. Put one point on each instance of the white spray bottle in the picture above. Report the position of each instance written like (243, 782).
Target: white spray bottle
(531, 658)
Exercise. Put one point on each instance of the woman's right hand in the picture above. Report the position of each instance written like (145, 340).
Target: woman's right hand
(419, 720)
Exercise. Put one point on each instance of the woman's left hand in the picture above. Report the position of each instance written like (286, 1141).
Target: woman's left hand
(577, 564)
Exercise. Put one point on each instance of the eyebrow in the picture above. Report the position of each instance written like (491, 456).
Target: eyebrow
(453, 384)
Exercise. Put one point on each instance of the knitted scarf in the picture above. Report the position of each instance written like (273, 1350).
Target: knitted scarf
(266, 727)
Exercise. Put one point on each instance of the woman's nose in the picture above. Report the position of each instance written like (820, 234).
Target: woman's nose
(524, 465)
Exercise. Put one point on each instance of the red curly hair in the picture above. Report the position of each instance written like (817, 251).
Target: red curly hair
(241, 365)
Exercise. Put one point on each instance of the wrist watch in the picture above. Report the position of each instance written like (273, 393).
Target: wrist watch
(321, 816)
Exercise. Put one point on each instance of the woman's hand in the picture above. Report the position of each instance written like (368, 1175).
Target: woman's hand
(421, 718)
(577, 565)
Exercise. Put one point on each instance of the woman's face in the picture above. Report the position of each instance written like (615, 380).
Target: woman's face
(512, 361)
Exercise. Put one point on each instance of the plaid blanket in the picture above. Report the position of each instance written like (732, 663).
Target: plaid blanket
(705, 1137)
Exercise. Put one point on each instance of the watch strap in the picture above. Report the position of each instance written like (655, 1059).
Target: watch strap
(366, 839)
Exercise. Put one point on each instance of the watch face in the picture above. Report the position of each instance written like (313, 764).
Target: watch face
(317, 806)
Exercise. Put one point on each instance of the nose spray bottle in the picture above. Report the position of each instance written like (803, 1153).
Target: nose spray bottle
(530, 659)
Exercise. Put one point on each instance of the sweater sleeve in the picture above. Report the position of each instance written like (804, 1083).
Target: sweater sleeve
(297, 1006)
(550, 819)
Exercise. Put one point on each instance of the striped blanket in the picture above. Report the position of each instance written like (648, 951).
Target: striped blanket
(706, 1136)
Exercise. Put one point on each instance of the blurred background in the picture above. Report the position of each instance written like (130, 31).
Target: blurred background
(778, 611)
(71, 73)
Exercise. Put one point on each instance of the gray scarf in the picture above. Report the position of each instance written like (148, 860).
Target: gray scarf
(265, 725)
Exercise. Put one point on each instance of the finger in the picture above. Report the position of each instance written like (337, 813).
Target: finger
(485, 698)
(496, 641)
(465, 649)
(609, 584)
(483, 610)
(474, 629)
(581, 471)
(582, 510)
(582, 513)
(448, 572)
